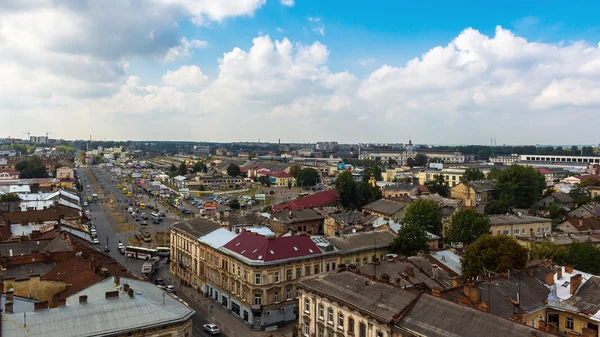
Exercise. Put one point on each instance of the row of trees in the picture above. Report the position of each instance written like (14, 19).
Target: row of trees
(353, 194)
(583, 256)
(33, 167)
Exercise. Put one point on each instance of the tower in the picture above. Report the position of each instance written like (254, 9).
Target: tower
(372, 180)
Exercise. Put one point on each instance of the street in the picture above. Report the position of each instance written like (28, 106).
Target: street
(105, 229)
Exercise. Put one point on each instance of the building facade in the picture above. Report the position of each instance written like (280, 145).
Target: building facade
(519, 225)
(474, 193)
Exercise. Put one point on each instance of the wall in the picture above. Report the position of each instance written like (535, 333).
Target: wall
(581, 212)
(537, 228)
(41, 290)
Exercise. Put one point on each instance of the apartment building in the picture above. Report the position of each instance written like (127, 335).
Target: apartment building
(474, 193)
(515, 225)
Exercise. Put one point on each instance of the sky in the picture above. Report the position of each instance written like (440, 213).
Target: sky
(437, 72)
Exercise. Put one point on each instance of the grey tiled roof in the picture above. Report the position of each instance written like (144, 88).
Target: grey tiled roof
(500, 220)
(385, 207)
(362, 240)
(483, 185)
(196, 227)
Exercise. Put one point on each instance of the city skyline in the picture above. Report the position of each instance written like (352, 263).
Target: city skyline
(302, 71)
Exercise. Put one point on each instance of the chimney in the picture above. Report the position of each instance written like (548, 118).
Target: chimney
(111, 294)
(568, 269)
(436, 292)
(61, 303)
(454, 282)
(9, 294)
(575, 283)
(117, 280)
(130, 292)
(516, 317)
(410, 271)
(550, 278)
(229, 227)
(385, 278)
(464, 301)
(474, 293)
(485, 306)
(237, 231)
(126, 287)
(40, 305)
(559, 273)
(83, 299)
(8, 307)
(580, 222)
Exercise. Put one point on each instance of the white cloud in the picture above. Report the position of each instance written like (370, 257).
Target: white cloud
(316, 25)
(186, 77)
(288, 3)
(185, 49)
(366, 62)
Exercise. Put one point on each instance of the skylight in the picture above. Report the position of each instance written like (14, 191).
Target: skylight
(272, 252)
(237, 244)
(254, 251)
(260, 257)
(243, 251)
(296, 248)
(310, 250)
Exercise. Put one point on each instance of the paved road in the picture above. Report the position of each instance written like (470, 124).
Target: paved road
(104, 229)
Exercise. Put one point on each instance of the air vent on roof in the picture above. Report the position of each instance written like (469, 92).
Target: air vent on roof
(296, 248)
(237, 244)
(272, 252)
(254, 251)
(260, 257)
(243, 251)
(310, 250)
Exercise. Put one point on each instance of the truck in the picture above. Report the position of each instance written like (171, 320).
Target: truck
(95, 197)
(149, 267)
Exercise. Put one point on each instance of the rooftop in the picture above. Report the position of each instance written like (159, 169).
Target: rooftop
(195, 227)
(49, 214)
(218, 237)
(149, 307)
(362, 241)
(259, 249)
(449, 259)
(384, 206)
(483, 185)
(408, 272)
(501, 220)
(318, 199)
(376, 299)
(298, 215)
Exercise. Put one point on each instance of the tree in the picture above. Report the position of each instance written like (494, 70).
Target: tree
(436, 160)
(392, 162)
(438, 185)
(366, 193)
(116, 155)
(294, 170)
(466, 226)
(519, 186)
(172, 168)
(420, 160)
(496, 254)
(251, 155)
(375, 170)
(550, 250)
(308, 177)
(473, 174)
(10, 197)
(580, 194)
(233, 170)
(345, 186)
(410, 162)
(182, 169)
(199, 167)
(584, 256)
(497, 207)
(411, 239)
(31, 168)
(590, 181)
(234, 204)
(425, 213)
(264, 180)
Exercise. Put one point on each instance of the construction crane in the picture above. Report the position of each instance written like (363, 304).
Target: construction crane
(28, 135)
(48, 133)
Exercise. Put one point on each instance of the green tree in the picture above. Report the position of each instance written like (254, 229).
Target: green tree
(436, 160)
(233, 170)
(425, 213)
(497, 207)
(466, 226)
(182, 169)
(494, 173)
(264, 180)
(10, 197)
(590, 181)
(251, 155)
(438, 185)
(496, 254)
(421, 160)
(584, 256)
(365, 193)
(410, 162)
(295, 170)
(519, 186)
(173, 168)
(375, 170)
(345, 185)
(308, 177)
(473, 174)
(550, 250)
(116, 155)
(580, 194)
(199, 167)
(31, 168)
(411, 239)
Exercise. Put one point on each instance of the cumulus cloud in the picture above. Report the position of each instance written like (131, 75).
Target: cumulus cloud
(288, 3)
(186, 77)
(184, 49)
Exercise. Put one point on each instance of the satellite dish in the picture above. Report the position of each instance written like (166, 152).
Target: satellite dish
(353, 230)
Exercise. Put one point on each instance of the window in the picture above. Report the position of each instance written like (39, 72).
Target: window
(306, 329)
(516, 232)
(316, 268)
(362, 330)
(288, 294)
(330, 315)
(350, 325)
(257, 279)
(523, 231)
(321, 312)
(379, 334)
(298, 272)
(341, 321)
(288, 275)
(505, 232)
(307, 271)
(306, 305)
(333, 266)
(321, 332)
(276, 277)
(257, 299)
(569, 323)
(364, 260)
(327, 267)
(276, 297)
(538, 229)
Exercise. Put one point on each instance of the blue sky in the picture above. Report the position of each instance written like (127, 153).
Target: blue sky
(379, 71)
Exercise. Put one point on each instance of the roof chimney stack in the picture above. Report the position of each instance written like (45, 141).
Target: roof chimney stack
(130, 292)
(83, 299)
(117, 280)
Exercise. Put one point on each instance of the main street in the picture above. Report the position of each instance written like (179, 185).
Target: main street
(109, 229)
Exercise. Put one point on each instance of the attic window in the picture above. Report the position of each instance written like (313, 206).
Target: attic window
(296, 248)
(237, 244)
(260, 257)
(243, 251)
(566, 284)
(254, 251)
(272, 252)
(310, 250)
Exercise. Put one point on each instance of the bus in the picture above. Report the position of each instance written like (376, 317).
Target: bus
(148, 268)
(163, 251)
(140, 252)
(125, 190)
(142, 206)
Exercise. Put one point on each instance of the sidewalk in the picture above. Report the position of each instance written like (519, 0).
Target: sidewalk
(230, 326)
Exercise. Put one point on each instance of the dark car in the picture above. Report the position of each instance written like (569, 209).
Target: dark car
(106, 248)
(159, 282)
(144, 223)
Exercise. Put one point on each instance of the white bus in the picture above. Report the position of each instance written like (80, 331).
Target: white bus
(140, 252)
(163, 251)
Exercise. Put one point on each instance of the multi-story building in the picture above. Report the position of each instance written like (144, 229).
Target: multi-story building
(452, 177)
(386, 208)
(506, 160)
(474, 193)
(214, 183)
(515, 225)
(306, 220)
(560, 159)
(397, 190)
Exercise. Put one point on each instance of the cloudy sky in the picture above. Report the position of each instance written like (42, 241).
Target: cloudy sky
(301, 70)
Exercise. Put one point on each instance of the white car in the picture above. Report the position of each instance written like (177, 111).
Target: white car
(170, 289)
(87, 211)
(212, 329)
(95, 241)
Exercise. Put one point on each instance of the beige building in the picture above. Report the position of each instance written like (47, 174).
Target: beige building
(65, 172)
(594, 191)
(474, 193)
(452, 176)
(516, 225)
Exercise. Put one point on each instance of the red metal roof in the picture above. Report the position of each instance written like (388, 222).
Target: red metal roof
(259, 248)
(422, 188)
(279, 174)
(543, 171)
(315, 200)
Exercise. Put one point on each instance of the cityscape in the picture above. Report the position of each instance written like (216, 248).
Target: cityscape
(292, 168)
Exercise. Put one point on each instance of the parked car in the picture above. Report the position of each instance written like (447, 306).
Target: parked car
(106, 248)
(212, 329)
(144, 223)
(159, 281)
(95, 241)
(170, 289)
